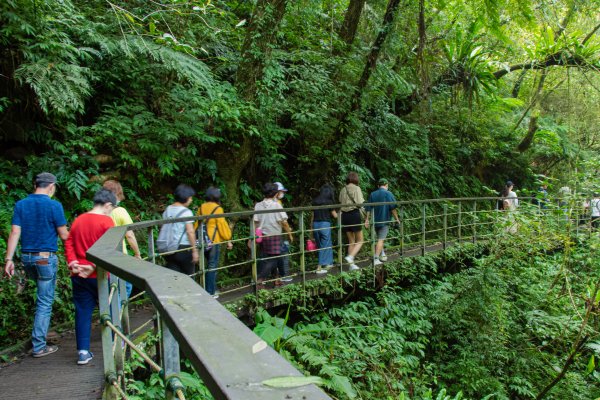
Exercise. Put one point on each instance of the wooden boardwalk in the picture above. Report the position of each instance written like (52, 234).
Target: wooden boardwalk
(58, 376)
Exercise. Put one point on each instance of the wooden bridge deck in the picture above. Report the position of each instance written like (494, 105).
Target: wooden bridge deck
(58, 376)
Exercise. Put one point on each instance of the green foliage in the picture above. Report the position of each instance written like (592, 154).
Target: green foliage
(498, 324)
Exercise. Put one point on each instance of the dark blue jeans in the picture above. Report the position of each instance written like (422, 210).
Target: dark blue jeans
(85, 298)
(322, 234)
(43, 272)
(283, 263)
(267, 267)
(212, 262)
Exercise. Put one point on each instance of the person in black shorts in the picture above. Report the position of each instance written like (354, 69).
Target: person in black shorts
(352, 198)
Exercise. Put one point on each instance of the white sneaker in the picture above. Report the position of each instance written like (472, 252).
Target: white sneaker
(354, 267)
(287, 279)
(328, 266)
(383, 257)
(349, 259)
(377, 262)
(321, 271)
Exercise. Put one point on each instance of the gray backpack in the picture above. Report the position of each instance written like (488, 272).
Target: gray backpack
(166, 241)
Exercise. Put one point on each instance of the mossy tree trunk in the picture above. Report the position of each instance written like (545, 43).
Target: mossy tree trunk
(262, 30)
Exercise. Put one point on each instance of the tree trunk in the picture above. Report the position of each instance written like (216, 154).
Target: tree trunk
(371, 63)
(421, 49)
(261, 33)
(351, 19)
(232, 162)
(528, 139)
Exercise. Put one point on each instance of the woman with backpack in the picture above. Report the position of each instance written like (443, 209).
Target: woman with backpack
(215, 231)
(182, 233)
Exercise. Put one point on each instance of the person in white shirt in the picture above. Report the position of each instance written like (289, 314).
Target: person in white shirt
(511, 202)
(595, 209)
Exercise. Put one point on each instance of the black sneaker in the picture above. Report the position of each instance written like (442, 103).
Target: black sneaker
(45, 351)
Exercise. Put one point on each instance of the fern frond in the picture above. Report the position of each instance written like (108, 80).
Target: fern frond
(60, 87)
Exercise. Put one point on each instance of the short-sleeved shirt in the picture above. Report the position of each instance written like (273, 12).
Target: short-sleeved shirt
(511, 201)
(383, 214)
(270, 223)
(323, 214)
(39, 216)
(351, 194)
(595, 207)
(179, 228)
(217, 229)
(121, 217)
(86, 230)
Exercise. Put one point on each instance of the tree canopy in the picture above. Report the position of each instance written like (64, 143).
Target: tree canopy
(442, 97)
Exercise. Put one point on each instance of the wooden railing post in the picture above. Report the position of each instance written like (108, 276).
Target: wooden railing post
(474, 221)
(423, 228)
(116, 321)
(459, 222)
(373, 237)
(373, 244)
(445, 243)
(340, 240)
(254, 257)
(151, 252)
(302, 257)
(171, 362)
(107, 335)
(401, 217)
(202, 258)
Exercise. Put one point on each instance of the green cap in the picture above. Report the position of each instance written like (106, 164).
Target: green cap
(383, 182)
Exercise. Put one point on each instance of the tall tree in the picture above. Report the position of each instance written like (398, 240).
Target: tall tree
(260, 36)
(372, 57)
(351, 19)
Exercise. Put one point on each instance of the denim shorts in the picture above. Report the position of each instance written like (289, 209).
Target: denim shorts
(382, 231)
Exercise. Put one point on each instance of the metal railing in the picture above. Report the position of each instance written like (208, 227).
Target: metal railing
(231, 360)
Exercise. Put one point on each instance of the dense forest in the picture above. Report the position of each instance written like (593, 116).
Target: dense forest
(444, 98)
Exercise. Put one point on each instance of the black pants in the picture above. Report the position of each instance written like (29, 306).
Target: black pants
(181, 261)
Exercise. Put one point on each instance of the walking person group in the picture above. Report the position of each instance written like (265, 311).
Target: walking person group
(39, 221)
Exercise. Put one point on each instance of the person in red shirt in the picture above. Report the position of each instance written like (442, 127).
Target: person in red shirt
(86, 229)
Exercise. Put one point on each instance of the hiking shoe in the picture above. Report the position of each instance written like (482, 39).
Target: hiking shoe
(85, 358)
(321, 271)
(349, 259)
(383, 257)
(328, 266)
(287, 279)
(215, 296)
(45, 351)
(354, 267)
(377, 262)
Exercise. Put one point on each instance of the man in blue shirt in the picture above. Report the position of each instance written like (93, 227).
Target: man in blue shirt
(382, 215)
(38, 221)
